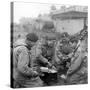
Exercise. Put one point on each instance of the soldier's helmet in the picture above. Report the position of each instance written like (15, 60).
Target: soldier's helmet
(31, 37)
(73, 39)
(65, 34)
(64, 37)
(65, 40)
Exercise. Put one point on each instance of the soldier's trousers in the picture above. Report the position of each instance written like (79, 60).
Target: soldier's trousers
(35, 82)
(78, 79)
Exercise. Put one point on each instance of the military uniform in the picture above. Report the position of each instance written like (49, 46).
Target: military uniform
(61, 58)
(36, 55)
(77, 73)
(23, 74)
(62, 51)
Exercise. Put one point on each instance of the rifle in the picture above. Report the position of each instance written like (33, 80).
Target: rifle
(75, 50)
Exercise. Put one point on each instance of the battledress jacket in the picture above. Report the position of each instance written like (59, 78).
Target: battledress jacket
(78, 70)
(22, 73)
(36, 55)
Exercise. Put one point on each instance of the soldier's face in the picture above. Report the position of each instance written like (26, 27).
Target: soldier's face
(30, 43)
(74, 44)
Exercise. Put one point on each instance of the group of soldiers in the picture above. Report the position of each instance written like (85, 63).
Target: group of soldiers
(41, 62)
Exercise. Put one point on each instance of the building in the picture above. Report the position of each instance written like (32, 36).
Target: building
(43, 19)
(45, 26)
(71, 19)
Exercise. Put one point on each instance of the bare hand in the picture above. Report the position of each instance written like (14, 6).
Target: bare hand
(63, 76)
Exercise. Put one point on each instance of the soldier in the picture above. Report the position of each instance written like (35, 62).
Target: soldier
(43, 60)
(49, 48)
(23, 74)
(48, 52)
(37, 55)
(62, 59)
(77, 72)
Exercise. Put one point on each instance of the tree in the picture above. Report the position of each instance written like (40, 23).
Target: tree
(63, 8)
(28, 24)
(53, 7)
(39, 15)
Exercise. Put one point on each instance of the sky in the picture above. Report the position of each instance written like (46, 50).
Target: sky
(28, 9)
(32, 10)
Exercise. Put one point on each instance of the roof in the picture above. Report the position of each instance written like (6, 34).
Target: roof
(71, 12)
(70, 15)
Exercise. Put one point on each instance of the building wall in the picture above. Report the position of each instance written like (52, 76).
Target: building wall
(71, 26)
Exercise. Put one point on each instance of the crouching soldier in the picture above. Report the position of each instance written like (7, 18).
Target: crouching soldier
(40, 62)
(77, 73)
(23, 74)
(62, 59)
